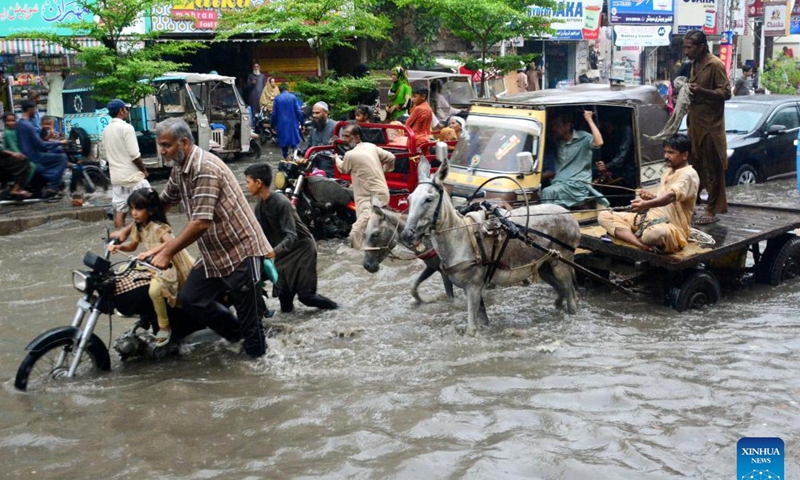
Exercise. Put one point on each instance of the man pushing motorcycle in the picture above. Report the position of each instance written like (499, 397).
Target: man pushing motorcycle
(230, 239)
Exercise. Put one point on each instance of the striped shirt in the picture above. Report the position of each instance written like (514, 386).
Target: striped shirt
(208, 191)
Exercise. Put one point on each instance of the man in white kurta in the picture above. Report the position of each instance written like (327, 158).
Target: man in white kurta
(55, 100)
(367, 164)
(128, 172)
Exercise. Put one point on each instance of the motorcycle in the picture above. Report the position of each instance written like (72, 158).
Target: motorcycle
(263, 128)
(64, 352)
(324, 204)
(86, 176)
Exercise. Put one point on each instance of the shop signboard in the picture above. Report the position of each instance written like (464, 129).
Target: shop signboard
(642, 35)
(193, 16)
(578, 20)
(642, 12)
(755, 8)
(697, 15)
(777, 18)
(40, 15)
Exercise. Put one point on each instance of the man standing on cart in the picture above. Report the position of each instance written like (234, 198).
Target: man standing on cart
(660, 223)
(710, 88)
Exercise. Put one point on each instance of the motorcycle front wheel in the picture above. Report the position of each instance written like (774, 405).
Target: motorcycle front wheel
(41, 367)
(96, 181)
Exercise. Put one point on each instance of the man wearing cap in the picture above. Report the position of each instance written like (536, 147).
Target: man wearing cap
(322, 126)
(128, 172)
(421, 115)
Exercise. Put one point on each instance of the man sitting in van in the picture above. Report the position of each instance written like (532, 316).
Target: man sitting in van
(617, 165)
(571, 185)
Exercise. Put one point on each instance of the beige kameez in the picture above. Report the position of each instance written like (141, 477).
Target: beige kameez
(367, 165)
(673, 235)
(170, 279)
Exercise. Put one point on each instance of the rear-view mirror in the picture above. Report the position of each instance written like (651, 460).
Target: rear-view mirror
(525, 163)
(441, 151)
(776, 129)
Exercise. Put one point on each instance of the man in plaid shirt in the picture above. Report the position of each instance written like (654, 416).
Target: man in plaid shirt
(230, 239)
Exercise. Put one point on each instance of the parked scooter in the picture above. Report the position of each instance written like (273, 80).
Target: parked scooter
(323, 204)
(65, 352)
(263, 128)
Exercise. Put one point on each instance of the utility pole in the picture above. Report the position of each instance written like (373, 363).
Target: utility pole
(761, 51)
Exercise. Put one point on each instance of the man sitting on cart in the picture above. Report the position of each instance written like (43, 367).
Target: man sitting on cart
(660, 223)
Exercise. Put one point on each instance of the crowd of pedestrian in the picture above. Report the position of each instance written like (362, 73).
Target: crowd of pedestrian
(233, 238)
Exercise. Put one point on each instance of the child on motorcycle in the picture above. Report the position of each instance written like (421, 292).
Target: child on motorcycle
(152, 229)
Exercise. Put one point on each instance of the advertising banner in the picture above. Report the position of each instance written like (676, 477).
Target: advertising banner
(641, 35)
(190, 16)
(579, 20)
(777, 15)
(697, 15)
(42, 15)
(755, 8)
(726, 56)
(642, 12)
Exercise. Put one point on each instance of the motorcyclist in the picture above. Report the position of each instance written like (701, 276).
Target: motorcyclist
(49, 159)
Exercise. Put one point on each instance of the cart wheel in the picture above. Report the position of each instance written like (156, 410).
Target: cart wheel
(774, 246)
(785, 264)
(699, 290)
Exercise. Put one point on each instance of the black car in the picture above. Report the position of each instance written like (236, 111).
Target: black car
(761, 131)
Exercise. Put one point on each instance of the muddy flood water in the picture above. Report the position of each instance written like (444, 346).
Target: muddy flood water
(386, 389)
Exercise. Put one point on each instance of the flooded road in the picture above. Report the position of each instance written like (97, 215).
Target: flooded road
(384, 388)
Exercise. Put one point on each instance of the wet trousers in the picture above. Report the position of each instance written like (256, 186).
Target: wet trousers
(159, 302)
(198, 297)
(711, 170)
(15, 168)
(664, 235)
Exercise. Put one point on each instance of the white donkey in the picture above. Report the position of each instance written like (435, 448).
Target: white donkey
(431, 212)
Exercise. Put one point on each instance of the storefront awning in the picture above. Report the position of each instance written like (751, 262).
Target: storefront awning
(27, 46)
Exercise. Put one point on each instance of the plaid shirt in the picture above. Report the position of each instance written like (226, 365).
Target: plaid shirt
(208, 191)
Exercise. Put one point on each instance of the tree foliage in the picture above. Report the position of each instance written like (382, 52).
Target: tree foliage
(341, 94)
(326, 24)
(486, 23)
(413, 30)
(117, 68)
(781, 76)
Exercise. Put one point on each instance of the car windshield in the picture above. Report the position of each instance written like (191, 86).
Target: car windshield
(458, 91)
(175, 97)
(739, 117)
(492, 143)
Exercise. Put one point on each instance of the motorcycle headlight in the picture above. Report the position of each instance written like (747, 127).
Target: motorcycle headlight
(79, 280)
(280, 180)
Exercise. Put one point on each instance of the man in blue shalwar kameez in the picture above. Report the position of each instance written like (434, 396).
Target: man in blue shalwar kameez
(50, 163)
(286, 119)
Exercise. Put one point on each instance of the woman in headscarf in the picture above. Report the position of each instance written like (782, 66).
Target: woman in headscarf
(399, 95)
(268, 94)
(457, 123)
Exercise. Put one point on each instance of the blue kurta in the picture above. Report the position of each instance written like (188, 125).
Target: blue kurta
(286, 119)
(49, 165)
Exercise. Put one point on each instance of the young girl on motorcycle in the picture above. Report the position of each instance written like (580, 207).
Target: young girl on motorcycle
(152, 229)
